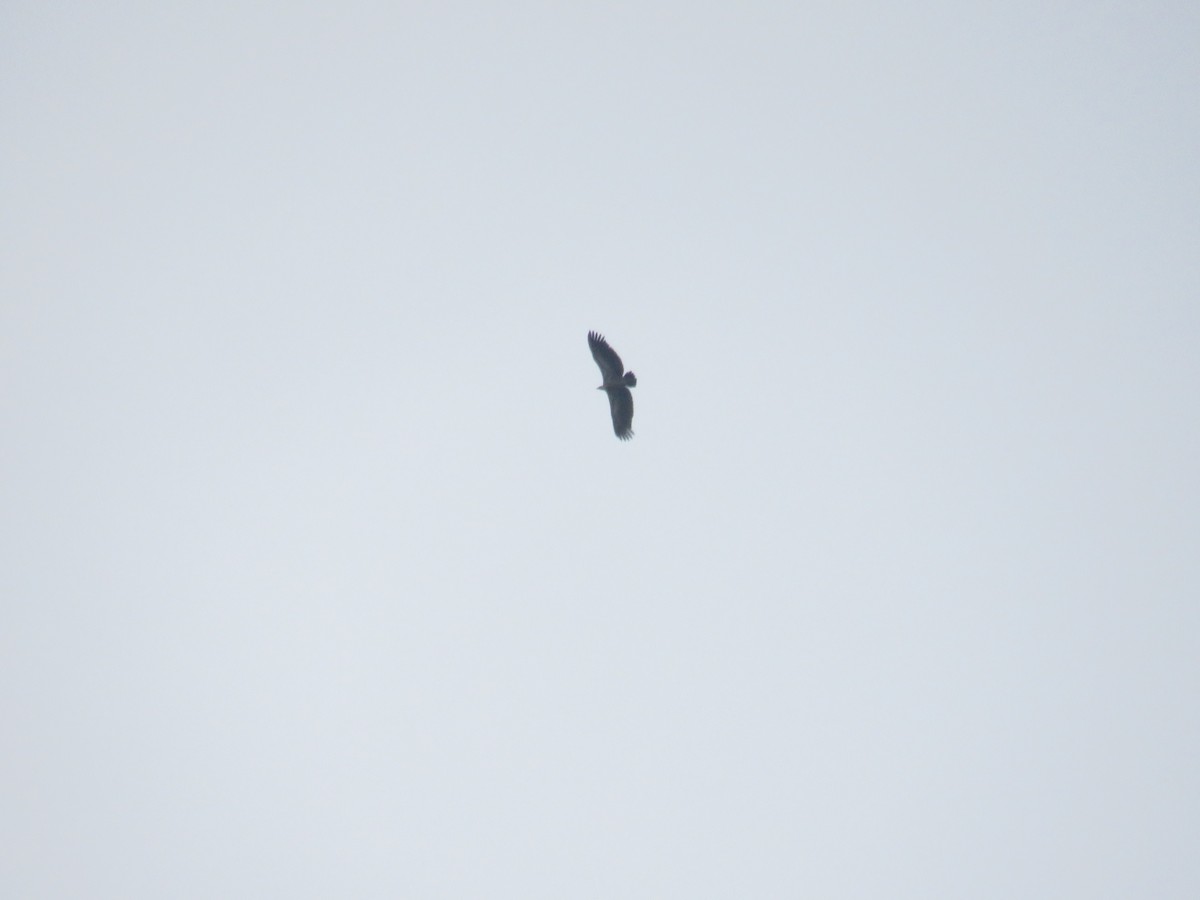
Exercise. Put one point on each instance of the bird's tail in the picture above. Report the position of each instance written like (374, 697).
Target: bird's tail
(630, 379)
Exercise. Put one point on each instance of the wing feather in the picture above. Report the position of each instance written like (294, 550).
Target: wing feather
(620, 403)
(606, 358)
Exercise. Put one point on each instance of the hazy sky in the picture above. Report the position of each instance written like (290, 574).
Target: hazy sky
(323, 575)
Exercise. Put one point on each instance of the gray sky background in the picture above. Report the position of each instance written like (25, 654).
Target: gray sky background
(322, 573)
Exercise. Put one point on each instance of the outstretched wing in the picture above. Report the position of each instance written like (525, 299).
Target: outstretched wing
(608, 361)
(620, 403)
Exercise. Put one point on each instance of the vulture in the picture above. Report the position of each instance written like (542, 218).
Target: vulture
(617, 383)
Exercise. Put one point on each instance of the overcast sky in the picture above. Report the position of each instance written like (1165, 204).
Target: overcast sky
(323, 575)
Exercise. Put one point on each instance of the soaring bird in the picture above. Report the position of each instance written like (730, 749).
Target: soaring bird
(617, 383)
